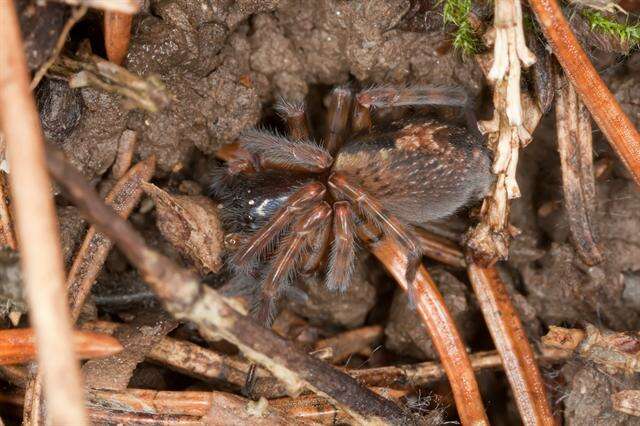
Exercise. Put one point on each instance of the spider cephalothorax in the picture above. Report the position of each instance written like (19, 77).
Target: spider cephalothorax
(290, 198)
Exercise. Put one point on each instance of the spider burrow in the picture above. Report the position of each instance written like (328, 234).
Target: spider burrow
(286, 202)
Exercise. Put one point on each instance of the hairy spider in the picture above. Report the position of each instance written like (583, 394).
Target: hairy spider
(409, 172)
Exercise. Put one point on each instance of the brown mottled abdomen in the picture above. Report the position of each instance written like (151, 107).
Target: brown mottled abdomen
(420, 171)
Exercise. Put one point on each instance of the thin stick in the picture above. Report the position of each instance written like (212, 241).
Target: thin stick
(117, 33)
(17, 345)
(573, 129)
(606, 111)
(424, 373)
(124, 6)
(77, 14)
(512, 344)
(94, 249)
(216, 317)
(6, 229)
(441, 328)
(37, 229)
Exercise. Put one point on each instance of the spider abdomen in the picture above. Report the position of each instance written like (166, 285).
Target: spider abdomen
(420, 171)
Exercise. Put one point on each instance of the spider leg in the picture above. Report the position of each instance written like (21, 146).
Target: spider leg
(318, 243)
(361, 120)
(389, 96)
(259, 242)
(277, 152)
(287, 258)
(342, 188)
(343, 248)
(295, 115)
(337, 118)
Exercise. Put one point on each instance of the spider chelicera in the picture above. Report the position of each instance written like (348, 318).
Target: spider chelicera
(293, 205)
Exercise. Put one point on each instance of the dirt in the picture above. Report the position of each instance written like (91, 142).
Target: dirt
(224, 64)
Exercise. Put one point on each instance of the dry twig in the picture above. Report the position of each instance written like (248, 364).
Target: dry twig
(605, 110)
(6, 229)
(573, 127)
(37, 228)
(217, 317)
(512, 344)
(627, 401)
(117, 34)
(613, 351)
(90, 70)
(17, 346)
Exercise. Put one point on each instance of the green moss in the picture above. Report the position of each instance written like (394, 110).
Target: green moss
(626, 32)
(456, 12)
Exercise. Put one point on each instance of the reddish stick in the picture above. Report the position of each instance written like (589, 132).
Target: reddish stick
(442, 329)
(511, 341)
(117, 33)
(37, 228)
(17, 345)
(616, 126)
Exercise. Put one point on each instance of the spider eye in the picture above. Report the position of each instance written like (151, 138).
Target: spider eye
(231, 241)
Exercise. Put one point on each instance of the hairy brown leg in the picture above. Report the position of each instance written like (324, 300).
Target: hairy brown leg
(278, 152)
(389, 224)
(361, 119)
(259, 242)
(337, 118)
(283, 266)
(318, 244)
(343, 247)
(295, 115)
(389, 96)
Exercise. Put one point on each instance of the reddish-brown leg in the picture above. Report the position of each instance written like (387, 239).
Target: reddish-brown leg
(361, 118)
(337, 119)
(278, 152)
(258, 243)
(343, 247)
(294, 114)
(342, 188)
(318, 244)
(389, 96)
(283, 266)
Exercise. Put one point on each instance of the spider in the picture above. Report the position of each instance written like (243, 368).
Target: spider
(289, 200)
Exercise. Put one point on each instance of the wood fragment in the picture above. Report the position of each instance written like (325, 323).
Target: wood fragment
(442, 330)
(37, 229)
(191, 224)
(615, 352)
(90, 70)
(342, 345)
(6, 228)
(604, 108)
(117, 34)
(512, 344)
(216, 317)
(573, 129)
(17, 345)
(627, 401)
(127, 145)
